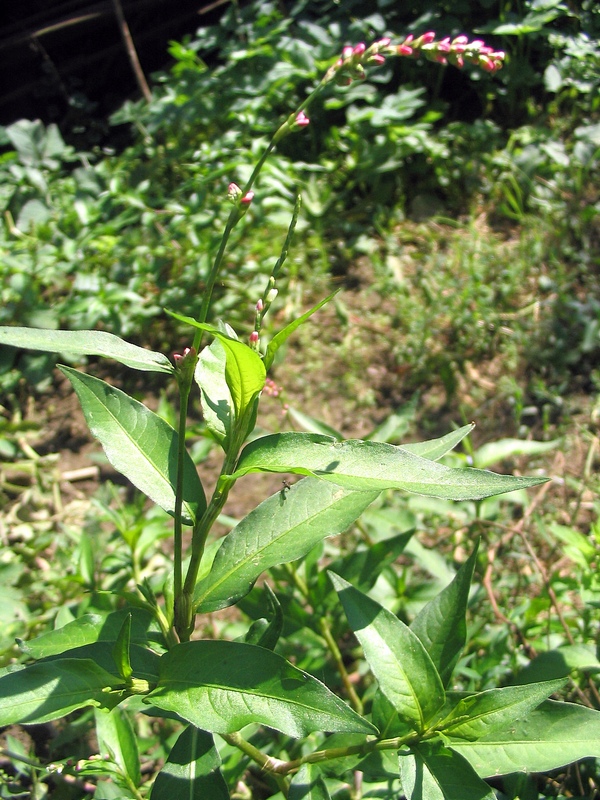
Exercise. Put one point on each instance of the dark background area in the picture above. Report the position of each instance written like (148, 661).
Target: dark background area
(66, 61)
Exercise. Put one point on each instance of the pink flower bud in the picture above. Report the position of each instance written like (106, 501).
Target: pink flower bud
(444, 45)
(460, 40)
(359, 49)
(260, 306)
(383, 42)
(254, 337)
(404, 50)
(347, 52)
(233, 193)
(377, 59)
(302, 120)
(247, 198)
(409, 39)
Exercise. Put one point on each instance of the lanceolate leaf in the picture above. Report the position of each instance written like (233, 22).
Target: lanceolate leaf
(50, 689)
(215, 397)
(308, 784)
(404, 671)
(117, 739)
(223, 686)
(285, 334)
(192, 771)
(434, 449)
(479, 715)
(553, 735)
(138, 443)
(282, 528)
(96, 628)
(245, 371)
(433, 772)
(371, 466)
(86, 343)
(441, 624)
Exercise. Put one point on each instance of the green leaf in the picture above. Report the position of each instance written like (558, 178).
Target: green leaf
(549, 737)
(434, 449)
(117, 739)
(308, 784)
(120, 651)
(371, 466)
(441, 624)
(215, 397)
(244, 370)
(285, 334)
(50, 689)
(281, 529)
(493, 452)
(266, 632)
(433, 772)
(138, 443)
(362, 567)
(86, 343)
(192, 771)
(478, 715)
(560, 662)
(396, 656)
(96, 628)
(223, 686)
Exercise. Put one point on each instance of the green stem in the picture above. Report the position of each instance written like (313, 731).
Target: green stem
(355, 700)
(184, 395)
(266, 763)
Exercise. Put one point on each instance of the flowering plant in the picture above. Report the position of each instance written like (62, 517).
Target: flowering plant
(408, 728)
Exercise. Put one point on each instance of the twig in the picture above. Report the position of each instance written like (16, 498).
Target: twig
(131, 52)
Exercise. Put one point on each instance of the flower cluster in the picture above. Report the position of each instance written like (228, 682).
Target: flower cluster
(457, 51)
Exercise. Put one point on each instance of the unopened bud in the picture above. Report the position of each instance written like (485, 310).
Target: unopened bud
(233, 193)
(271, 295)
(254, 337)
(247, 199)
(359, 49)
(260, 306)
(302, 120)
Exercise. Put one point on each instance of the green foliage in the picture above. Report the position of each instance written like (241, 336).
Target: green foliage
(435, 699)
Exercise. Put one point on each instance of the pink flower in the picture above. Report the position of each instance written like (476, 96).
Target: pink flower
(302, 120)
(404, 50)
(247, 198)
(382, 42)
(359, 49)
(254, 337)
(377, 59)
(347, 52)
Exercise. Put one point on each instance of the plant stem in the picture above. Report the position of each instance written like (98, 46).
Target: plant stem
(267, 763)
(184, 395)
(355, 700)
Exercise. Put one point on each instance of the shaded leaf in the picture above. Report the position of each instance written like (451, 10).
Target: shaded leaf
(215, 397)
(138, 443)
(433, 772)
(50, 689)
(308, 784)
(192, 770)
(96, 628)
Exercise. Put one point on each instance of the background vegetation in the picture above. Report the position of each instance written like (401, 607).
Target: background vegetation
(459, 212)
